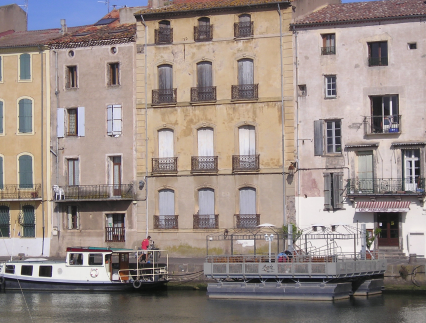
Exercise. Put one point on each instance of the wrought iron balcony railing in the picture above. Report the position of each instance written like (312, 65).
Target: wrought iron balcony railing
(385, 186)
(164, 165)
(203, 33)
(329, 50)
(244, 92)
(115, 234)
(166, 222)
(378, 61)
(164, 96)
(243, 29)
(20, 191)
(382, 124)
(206, 221)
(245, 163)
(95, 192)
(244, 221)
(204, 164)
(163, 36)
(203, 94)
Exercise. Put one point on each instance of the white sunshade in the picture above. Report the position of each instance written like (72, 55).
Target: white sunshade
(265, 225)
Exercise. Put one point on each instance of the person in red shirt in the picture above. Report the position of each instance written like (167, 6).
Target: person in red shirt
(144, 245)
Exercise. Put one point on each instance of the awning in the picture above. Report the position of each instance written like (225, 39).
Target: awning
(393, 206)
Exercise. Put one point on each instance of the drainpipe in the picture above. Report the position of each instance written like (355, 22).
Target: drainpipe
(58, 219)
(297, 121)
(146, 125)
(42, 147)
(282, 120)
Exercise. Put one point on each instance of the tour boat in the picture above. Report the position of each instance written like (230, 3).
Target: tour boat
(86, 269)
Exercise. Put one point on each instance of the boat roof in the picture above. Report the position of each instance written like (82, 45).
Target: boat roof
(97, 249)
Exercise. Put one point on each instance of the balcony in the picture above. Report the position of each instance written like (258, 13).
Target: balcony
(206, 221)
(204, 164)
(115, 234)
(245, 163)
(164, 96)
(378, 61)
(95, 192)
(243, 29)
(163, 36)
(20, 192)
(203, 33)
(388, 124)
(164, 165)
(203, 94)
(385, 186)
(166, 222)
(330, 50)
(244, 92)
(245, 221)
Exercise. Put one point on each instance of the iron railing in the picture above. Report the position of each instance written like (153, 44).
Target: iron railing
(96, 192)
(243, 29)
(244, 163)
(115, 234)
(382, 124)
(164, 96)
(329, 50)
(244, 221)
(203, 33)
(164, 165)
(203, 94)
(166, 222)
(20, 191)
(244, 92)
(210, 221)
(203, 164)
(378, 61)
(164, 36)
(385, 186)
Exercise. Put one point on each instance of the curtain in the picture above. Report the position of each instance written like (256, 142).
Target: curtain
(205, 142)
(245, 71)
(165, 77)
(204, 74)
(247, 137)
(167, 202)
(165, 143)
(206, 201)
(247, 200)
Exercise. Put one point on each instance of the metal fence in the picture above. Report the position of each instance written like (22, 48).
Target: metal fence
(206, 221)
(20, 191)
(385, 186)
(97, 192)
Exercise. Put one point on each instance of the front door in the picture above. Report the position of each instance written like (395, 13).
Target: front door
(389, 224)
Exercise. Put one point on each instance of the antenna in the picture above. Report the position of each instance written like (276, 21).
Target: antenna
(25, 6)
(103, 1)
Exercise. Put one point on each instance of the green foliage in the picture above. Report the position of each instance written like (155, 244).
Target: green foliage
(297, 232)
(370, 240)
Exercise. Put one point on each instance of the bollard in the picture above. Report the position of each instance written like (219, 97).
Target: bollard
(412, 258)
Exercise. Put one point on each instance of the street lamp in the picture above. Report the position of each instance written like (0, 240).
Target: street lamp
(269, 238)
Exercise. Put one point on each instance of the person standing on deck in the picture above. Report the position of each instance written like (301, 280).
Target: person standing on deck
(144, 245)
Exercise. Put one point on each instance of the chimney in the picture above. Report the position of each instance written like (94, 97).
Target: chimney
(63, 26)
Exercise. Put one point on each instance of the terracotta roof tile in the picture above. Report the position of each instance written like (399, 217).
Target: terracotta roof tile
(350, 12)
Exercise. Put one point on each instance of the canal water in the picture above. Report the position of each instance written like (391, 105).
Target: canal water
(193, 306)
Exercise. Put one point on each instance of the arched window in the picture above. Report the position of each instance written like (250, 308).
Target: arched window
(166, 207)
(25, 171)
(205, 91)
(164, 34)
(245, 71)
(25, 67)
(165, 92)
(247, 217)
(244, 26)
(4, 222)
(206, 214)
(27, 221)
(203, 32)
(166, 161)
(247, 140)
(25, 116)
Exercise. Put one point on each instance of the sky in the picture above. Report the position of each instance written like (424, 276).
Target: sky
(45, 14)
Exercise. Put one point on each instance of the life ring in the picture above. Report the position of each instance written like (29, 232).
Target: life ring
(137, 284)
(94, 273)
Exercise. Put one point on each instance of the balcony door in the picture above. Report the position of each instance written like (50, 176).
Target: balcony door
(166, 206)
(365, 171)
(165, 83)
(116, 175)
(385, 114)
(206, 206)
(389, 224)
(411, 169)
(247, 140)
(165, 149)
(205, 149)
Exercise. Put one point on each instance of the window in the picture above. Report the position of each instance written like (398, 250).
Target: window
(25, 67)
(4, 222)
(75, 259)
(45, 271)
(164, 34)
(328, 44)
(25, 116)
(334, 143)
(410, 46)
(114, 120)
(378, 53)
(10, 269)
(385, 114)
(114, 231)
(75, 121)
(114, 74)
(1, 173)
(72, 122)
(247, 217)
(206, 214)
(1, 118)
(246, 88)
(333, 191)
(411, 160)
(73, 172)
(330, 86)
(244, 26)
(1, 70)
(115, 174)
(166, 206)
(26, 270)
(204, 31)
(95, 259)
(247, 159)
(165, 161)
(333, 137)
(205, 160)
(27, 221)
(302, 90)
(165, 92)
(25, 171)
(73, 218)
(205, 91)
(71, 77)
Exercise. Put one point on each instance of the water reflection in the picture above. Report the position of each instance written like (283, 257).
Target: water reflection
(194, 306)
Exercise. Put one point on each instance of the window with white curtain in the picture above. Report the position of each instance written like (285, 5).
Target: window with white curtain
(247, 140)
(206, 206)
(165, 143)
(166, 207)
(245, 71)
(205, 142)
(248, 201)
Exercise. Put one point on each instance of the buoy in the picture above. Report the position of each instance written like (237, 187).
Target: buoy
(137, 284)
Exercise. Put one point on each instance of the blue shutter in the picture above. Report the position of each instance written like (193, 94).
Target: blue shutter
(1, 111)
(1, 173)
(25, 67)
(4, 222)
(25, 116)
(81, 122)
(25, 172)
(29, 221)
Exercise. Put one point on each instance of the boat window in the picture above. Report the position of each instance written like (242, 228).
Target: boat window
(76, 259)
(95, 259)
(10, 269)
(27, 270)
(45, 271)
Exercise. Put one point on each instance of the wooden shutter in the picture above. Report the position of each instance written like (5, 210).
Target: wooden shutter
(165, 77)
(25, 116)
(247, 200)
(318, 138)
(1, 111)
(81, 132)
(116, 120)
(25, 67)
(109, 120)
(60, 118)
(25, 171)
(327, 191)
(338, 190)
(245, 71)
(204, 74)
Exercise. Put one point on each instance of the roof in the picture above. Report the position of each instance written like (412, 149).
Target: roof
(196, 5)
(364, 11)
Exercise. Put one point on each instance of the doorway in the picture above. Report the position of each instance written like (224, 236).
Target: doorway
(389, 224)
